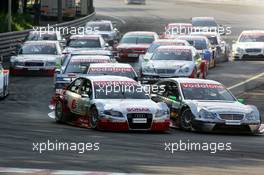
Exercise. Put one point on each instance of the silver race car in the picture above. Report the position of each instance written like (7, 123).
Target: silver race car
(105, 28)
(206, 105)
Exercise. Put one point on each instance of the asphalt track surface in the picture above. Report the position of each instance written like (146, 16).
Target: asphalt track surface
(24, 120)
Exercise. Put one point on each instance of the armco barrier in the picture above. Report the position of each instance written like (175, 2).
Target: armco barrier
(10, 40)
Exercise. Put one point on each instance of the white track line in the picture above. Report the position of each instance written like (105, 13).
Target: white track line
(246, 81)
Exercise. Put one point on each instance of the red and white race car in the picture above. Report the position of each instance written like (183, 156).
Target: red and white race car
(109, 103)
(134, 44)
(4, 82)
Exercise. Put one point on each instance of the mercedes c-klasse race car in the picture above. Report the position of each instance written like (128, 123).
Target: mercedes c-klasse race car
(250, 45)
(116, 69)
(173, 61)
(104, 28)
(222, 49)
(75, 65)
(84, 42)
(206, 105)
(37, 57)
(162, 42)
(109, 103)
(134, 44)
(4, 82)
(172, 30)
(203, 47)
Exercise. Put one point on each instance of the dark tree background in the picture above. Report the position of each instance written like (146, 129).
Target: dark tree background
(4, 6)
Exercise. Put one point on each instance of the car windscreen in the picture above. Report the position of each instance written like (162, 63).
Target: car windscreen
(137, 39)
(119, 91)
(203, 91)
(81, 65)
(204, 22)
(252, 38)
(213, 40)
(99, 27)
(84, 43)
(38, 36)
(173, 54)
(125, 72)
(49, 49)
(199, 44)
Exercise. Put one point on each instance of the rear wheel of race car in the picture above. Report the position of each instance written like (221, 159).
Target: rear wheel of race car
(94, 118)
(186, 120)
(59, 114)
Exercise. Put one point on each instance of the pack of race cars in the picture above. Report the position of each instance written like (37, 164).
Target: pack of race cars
(93, 89)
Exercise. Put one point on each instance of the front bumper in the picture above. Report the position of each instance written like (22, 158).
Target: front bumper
(207, 126)
(247, 55)
(33, 71)
(123, 125)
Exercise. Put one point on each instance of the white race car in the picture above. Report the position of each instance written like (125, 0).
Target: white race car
(4, 82)
(109, 103)
(206, 105)
(40, 57)
(250, 44)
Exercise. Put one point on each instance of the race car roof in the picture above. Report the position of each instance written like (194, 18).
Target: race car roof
(194, 80)
(179, 24)
(191, 37)
(44, 32)
(169, 41)
(91, 52)
(141, 33)
(253, 32)
(205, 33)
(175, 47)
(110, 65)
(100, 22)
(108, 78)
(89, 36)
(203, 18)
(45, 42)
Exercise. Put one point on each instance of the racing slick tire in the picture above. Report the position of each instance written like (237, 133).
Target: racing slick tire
(94, 118)
(186, 120)
(59, 114)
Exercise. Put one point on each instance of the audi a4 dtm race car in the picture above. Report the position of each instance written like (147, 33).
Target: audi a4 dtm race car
(109, 103)
(75, 65)
(162, 42)
(173, 61)
(206, 105)
(37, 57)
(250, 44)
(104, 28)
(84, 42)
(4, 82)
(116, 69)
(134, 44)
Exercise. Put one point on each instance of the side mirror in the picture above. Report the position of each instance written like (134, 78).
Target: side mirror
(115, 29)
(240, 100)
(174, 98)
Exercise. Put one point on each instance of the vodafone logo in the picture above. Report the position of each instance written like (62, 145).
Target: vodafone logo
(137, 109)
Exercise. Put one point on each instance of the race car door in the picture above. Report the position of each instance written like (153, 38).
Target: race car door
(84, 102)
(73, 96)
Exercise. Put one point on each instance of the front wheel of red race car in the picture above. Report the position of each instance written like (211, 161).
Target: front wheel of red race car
(94, 118)
(59, 114)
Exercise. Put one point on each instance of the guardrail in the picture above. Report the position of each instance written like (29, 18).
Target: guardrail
(9, 41)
